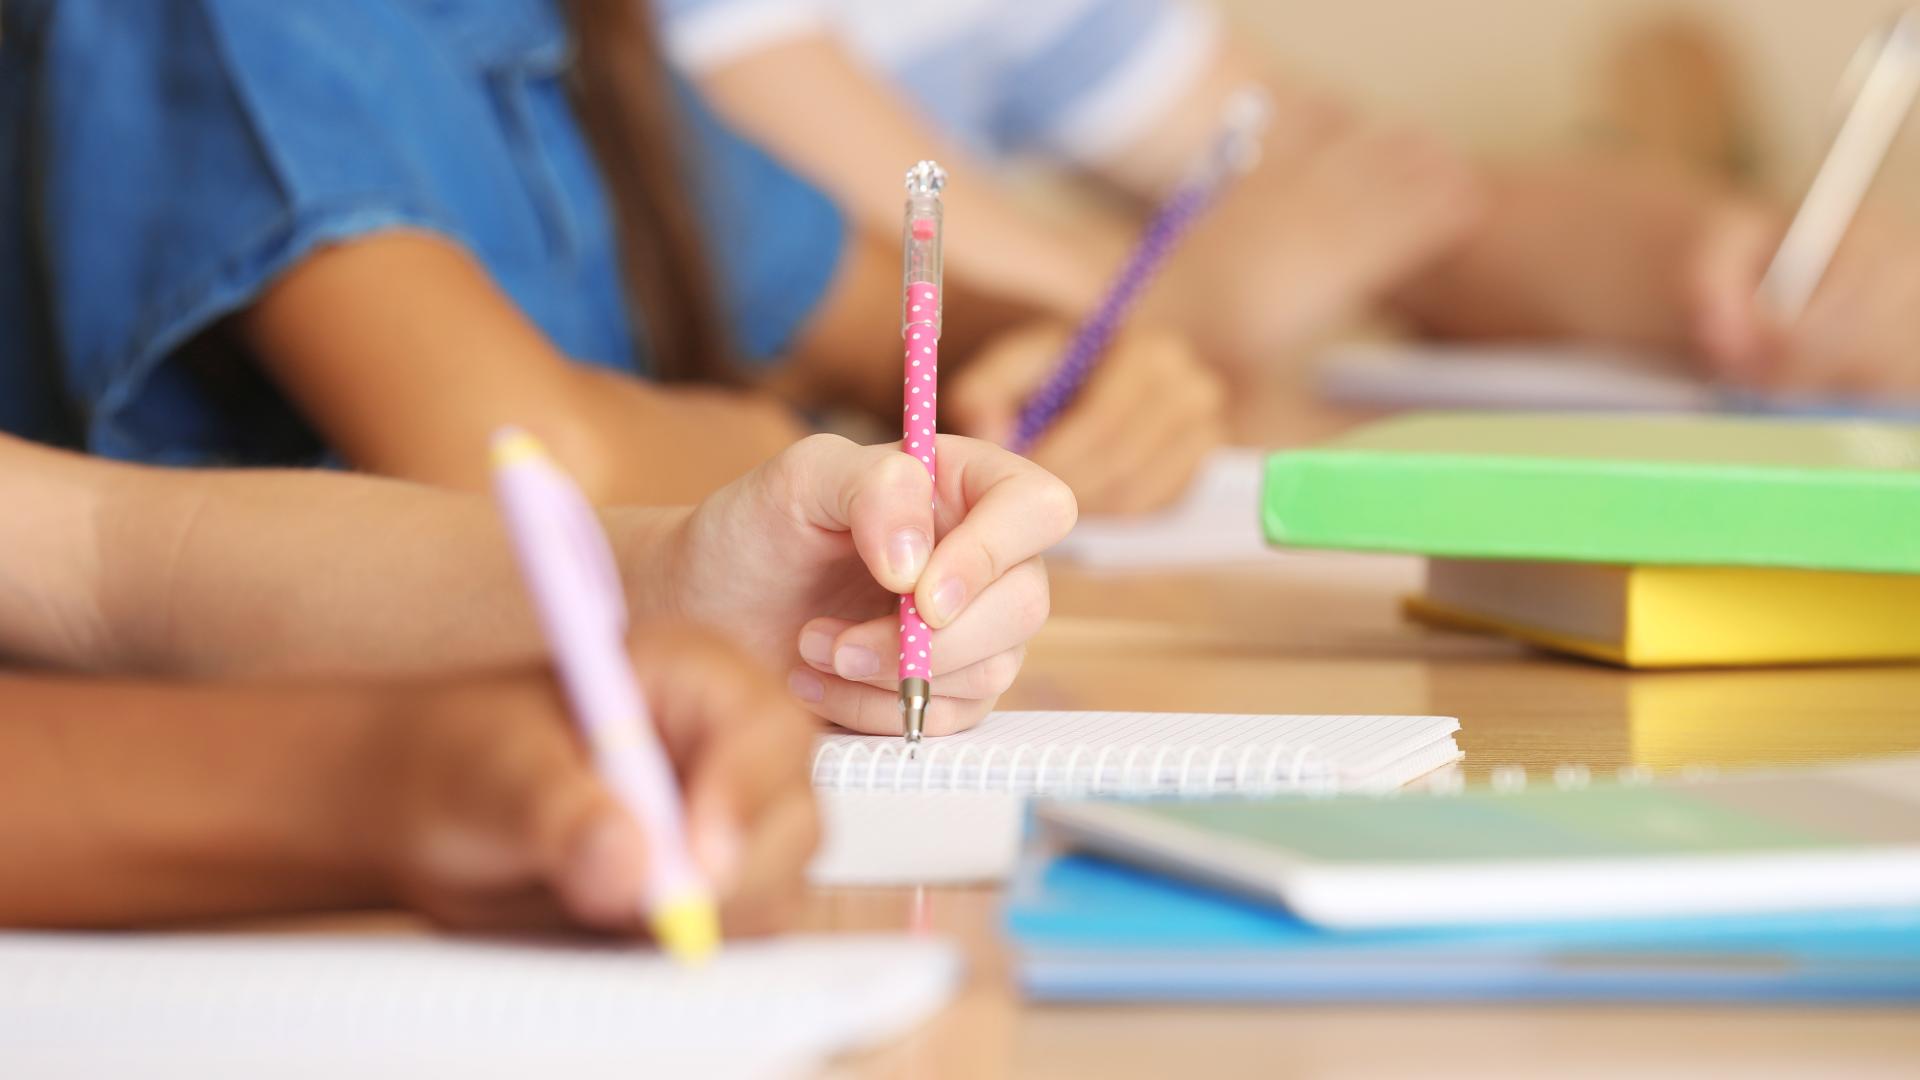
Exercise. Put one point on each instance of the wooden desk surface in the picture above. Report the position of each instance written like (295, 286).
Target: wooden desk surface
(1322, 634)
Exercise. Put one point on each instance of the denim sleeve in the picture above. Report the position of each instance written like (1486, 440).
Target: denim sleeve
(774, 239)
(179, 174)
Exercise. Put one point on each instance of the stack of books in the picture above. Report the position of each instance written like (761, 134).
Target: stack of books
(1790, 886)
(1649, 541)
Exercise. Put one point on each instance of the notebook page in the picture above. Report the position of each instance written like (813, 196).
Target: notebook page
(284, 1005)
(1138, 753)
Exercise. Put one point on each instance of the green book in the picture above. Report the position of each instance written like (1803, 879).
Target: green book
(1715, 491)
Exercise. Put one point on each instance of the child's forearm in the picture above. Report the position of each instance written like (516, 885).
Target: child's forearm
(307, 573)
(120, 568)
(130, 804)
(50, 561)
(840, 125)
(406, 356)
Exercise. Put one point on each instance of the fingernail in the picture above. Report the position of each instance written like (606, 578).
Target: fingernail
(816, 647)
(806, 686)
(856, 662)
(907, 553)
(947, 600)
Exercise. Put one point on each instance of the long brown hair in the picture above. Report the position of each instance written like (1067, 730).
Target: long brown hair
(626, 108)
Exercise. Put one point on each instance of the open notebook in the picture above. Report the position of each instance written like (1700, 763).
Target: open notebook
(953, 813)
(242, 1005)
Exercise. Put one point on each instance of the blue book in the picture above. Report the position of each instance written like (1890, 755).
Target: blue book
(1084, 929)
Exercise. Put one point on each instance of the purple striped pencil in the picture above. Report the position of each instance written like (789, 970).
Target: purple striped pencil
(1234, 151)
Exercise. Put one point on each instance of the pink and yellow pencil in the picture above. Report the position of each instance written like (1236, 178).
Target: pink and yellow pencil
(920, 335)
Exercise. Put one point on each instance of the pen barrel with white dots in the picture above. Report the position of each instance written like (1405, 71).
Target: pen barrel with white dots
(920, 365)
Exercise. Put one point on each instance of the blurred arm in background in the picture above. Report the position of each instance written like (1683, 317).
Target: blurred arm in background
(1344, 211)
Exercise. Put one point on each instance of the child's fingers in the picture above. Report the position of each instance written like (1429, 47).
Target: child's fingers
(587, 845)
(984, 680)
(987, 677)
(738, 742)
(873, 711)
(1729, 327)
(1149, 468)
(1014, 511)
(1169, 473)
(1008, 613)
(878, 494)
(1107, 453)
(737, 739)
(760, 760)
(986, 398)
(1103, 414)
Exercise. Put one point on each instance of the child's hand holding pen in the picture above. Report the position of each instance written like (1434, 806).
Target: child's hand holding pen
(1134, 436)
(803, 560)
(502, 821)
(470, 798)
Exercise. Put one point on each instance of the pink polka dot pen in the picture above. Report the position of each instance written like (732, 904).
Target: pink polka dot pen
(920, 335)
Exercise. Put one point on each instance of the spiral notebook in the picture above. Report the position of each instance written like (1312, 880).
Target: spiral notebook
(248, 1005)
(953, 812)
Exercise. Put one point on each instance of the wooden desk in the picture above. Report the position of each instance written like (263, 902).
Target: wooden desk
(1314, 634)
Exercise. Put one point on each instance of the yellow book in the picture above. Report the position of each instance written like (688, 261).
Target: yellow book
(1679, 616)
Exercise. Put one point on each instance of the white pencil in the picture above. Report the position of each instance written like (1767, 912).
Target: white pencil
(1885, 77)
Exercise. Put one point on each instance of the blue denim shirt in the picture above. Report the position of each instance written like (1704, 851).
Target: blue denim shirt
(162, 161)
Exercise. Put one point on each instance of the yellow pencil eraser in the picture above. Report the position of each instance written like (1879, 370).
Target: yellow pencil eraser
(511, 444)
(688, 929)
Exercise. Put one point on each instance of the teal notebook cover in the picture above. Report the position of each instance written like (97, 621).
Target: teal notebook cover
(1084, 929)
(1714, 491)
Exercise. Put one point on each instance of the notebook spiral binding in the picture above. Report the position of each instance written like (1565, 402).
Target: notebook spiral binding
(1075, 769)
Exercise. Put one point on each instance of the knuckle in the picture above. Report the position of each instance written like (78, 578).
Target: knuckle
(790, 474)
(1055, 508)
(820, 442)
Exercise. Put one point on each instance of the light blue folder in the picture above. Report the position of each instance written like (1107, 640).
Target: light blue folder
(1088, 930)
